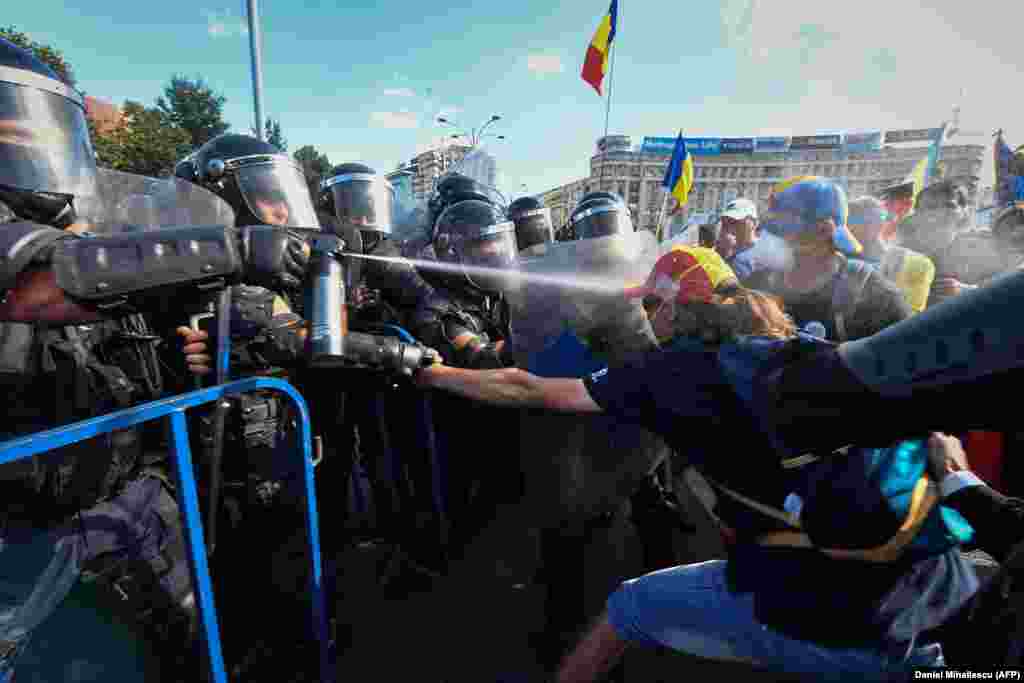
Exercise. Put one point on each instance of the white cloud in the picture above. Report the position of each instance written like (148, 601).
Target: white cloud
(399, 92)
(222, 24)
(394, 119)
(544, 64)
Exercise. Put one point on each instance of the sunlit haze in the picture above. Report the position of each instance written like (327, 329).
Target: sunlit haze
(367, 82)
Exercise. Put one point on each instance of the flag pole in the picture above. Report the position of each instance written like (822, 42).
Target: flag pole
(661, 216)
(664, 200)
(608, 98)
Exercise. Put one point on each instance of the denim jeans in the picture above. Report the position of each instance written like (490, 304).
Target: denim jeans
(690, 608)
(38, 568)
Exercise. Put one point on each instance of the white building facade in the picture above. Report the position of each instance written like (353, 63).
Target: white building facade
(727, 168)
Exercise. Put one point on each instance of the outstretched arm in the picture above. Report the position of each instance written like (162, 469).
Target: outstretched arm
(511, 387)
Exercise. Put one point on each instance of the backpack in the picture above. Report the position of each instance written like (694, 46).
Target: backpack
(887, 488)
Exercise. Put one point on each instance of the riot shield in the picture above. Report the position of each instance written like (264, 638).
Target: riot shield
(570, 317)
(126, 202)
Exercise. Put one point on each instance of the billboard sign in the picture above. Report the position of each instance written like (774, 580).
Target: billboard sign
(695, 146)
(815, 141)
(916, 135)
(737, 145)
(704, 146)
(775, 144)
(863, 142)
(658, 146)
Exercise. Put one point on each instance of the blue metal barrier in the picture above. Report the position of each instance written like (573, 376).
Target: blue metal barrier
(175, 407)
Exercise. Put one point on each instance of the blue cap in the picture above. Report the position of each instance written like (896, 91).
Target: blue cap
(797, 205)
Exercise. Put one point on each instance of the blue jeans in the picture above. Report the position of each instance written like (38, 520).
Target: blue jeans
(39, 567)
(690, 608)
(37, 571)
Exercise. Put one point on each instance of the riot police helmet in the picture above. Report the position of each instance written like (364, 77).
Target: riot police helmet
(475, 235)
(533, 222)
(358, 197)
(456, 187)
(47, 163)
(600, 214)
(263, 185)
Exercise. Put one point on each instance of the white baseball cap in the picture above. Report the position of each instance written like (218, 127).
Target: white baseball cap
(738, 209)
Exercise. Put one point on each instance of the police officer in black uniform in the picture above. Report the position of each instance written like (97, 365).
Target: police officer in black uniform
(74, 345)
(380, 422)
(533, 225)
(593, 460)
(467, 321)
(261, 466)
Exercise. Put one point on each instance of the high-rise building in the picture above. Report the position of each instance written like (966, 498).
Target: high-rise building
(427, 167)
(726, 168)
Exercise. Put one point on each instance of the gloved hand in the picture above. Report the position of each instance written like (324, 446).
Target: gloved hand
(274, 257)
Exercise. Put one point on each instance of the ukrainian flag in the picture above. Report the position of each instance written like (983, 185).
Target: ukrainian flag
(679, 174)
(595, 65)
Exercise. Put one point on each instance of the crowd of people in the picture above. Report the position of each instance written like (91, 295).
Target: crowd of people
(758, 359)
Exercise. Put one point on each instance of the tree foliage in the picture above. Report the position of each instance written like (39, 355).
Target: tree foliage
(145, 144)
(315, 166)
(191, 105)
(272, 134)
(50, 56)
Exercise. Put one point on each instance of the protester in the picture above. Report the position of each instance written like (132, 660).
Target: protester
(740, 222)
(913, 273)
(825, 282)
(939, 229)
(682, 393)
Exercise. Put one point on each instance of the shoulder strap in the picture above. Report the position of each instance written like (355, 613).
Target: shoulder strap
(847, 291)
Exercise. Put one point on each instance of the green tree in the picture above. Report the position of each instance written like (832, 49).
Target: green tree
(315, 166)
(193, 106)
(272, 134)
(50, 56)
(145, 144)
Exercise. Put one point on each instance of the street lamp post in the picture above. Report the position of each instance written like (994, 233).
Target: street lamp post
(257, 65)
(475, 134)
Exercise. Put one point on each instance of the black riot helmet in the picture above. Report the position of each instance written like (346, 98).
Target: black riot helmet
(533, 222)
(262, 185)
(474, 234)
(454, 188)
(358, 197)
(600, 214)
(47, 163)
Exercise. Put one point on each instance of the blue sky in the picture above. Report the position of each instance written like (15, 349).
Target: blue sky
(364, 81)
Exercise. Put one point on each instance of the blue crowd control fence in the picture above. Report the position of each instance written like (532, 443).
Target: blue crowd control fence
(175, 407)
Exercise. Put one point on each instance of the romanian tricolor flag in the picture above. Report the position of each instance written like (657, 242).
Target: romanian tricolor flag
(595, 66)
(679, 174)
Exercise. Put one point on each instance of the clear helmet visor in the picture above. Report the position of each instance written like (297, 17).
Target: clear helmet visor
(534, 227)
(44, 137)
(363, 200)
(490, 261)
(277, 194)
(602, 221)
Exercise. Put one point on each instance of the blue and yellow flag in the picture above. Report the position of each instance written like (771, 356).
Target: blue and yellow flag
(679, 174)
